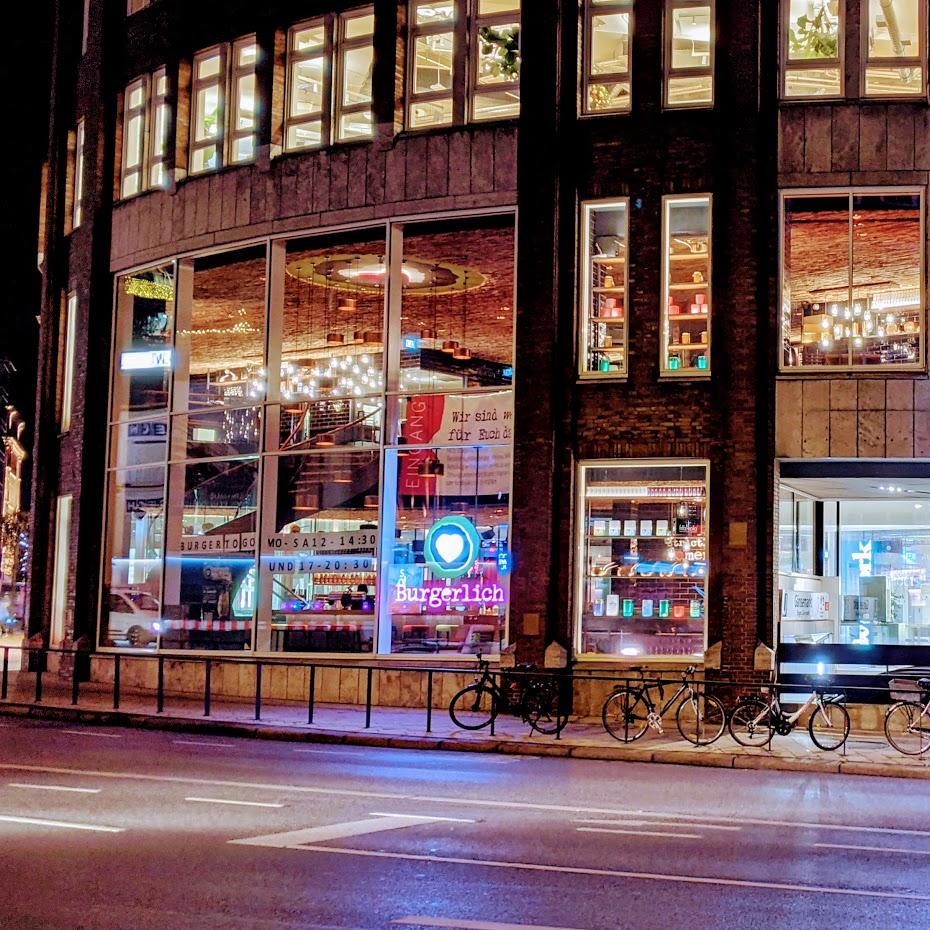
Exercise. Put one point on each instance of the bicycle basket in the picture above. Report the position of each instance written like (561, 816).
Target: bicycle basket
(906, 689)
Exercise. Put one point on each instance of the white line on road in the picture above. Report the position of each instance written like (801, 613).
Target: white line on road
(32, 821)
(679, 836)
(20, 784)
(202, 742)
(237, 803)
(359, 751)
(884, 849)
(456, 924)
(652, 823)
(93, 733)
(616, 873)
(267, 787)
(424, 818)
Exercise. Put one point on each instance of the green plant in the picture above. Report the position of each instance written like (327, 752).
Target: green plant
(501, 50)
(814, 36)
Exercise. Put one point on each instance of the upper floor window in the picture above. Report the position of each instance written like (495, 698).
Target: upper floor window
(133, 6)
(145, 134)
(686, 307)
(689, 53)
(606, 45)
(852, 279)
(77, 213)
(464, 61)
(895, 43)
(812, 48)
(329, 66)
(224, 102)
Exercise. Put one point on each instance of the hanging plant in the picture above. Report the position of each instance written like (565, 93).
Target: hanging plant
(814, 36)
(501, 49)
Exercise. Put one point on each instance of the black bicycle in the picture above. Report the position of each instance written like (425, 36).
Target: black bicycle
(534, 698)
(630, 709)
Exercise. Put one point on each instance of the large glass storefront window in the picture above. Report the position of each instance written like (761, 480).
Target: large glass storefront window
(259, 397)
(852, 280)
(641, 577)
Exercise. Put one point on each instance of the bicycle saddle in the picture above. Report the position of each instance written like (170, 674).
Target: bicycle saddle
(923, 684)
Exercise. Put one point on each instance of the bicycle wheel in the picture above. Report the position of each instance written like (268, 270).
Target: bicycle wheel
(701, 719)
(541, 708)
(907, 729)
(470, 709)
(829, 725)
(751, 722)
(625, 715)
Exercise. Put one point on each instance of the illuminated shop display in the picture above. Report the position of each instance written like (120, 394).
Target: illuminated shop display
(253, 427)
(642, 566)
(852, 280)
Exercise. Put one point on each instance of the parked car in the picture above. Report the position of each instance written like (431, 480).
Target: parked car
(134, 616)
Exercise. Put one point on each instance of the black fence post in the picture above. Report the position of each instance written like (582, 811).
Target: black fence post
(429, 701)
(6, 672)
(310, 695)
(368, 699)
(494, 700)
(258, 690)
(39, 666)
(75, 684)
(160, 693)
(116, 665)
(207, 676)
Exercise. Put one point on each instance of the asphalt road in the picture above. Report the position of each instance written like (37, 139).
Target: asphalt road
(110, 828)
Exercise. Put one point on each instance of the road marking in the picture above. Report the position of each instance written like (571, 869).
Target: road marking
(884, 849)
(202, 742)
(455, 924)
(355, 751)
(237, 803)
(616, 873)
(35, 822)
(299, 839)
(424, 817)
(93, 733)
(278, 788)
(680, 836)
(19, 784)
(650, 823)
(327, 752)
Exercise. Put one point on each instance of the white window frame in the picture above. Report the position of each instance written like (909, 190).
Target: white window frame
(294, 58)
(827, 371)
(159, 128)
(811, 64)
(77, 213)
(668, 202)
(238, 73)
(130, 113)
(580, 564)
(61, 563)
(616, 264)
(341, 46)
(197, 85)
(478, 21)
(671, 72)
(917, 60)
(588, 79)
(67, 369)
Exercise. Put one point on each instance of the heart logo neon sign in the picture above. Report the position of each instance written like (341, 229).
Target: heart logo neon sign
(451, 547)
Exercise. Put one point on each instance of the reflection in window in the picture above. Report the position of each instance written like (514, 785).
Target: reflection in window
(896, 43)
(642, 575)
(607, 29)
(852, 280)
(686, 307)
(811, 58)
(318, 551)
(603, 330)
(689, 78)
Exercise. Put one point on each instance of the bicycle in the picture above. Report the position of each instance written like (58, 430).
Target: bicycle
(630, 709)
(907, 723)
(754, 722)
(535, 698)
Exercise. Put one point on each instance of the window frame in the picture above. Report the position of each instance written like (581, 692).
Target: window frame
(919, 60)
(197, 84)
(67, 363)
(826, 371)
(458, 28)
(588, 208)
(580, 552)
(478, 21)
(77, 207)
(293, 58)
(158, 102)
(589, 11)
(340, 45)
(237, 72)
(669, 71)
(665, 372)
(139, 171)
(810, 64)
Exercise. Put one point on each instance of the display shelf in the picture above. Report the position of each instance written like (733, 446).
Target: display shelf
(696, 317)
(689, 257)
(615, 289)
(608, 260)
(689, 286)
(689, 347)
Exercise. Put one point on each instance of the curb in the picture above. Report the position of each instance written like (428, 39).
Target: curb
(283, 732)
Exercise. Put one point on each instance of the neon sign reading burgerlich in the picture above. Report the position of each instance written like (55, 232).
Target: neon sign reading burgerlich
(436, 596)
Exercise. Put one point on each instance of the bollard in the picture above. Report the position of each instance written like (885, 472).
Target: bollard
(310, 695)
(368, 700)
(207, 676)
(429, 701)
(160, 695)
(258, 690)
(116, 665)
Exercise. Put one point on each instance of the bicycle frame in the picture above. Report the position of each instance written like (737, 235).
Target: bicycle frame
(655, 716)
(815, 699)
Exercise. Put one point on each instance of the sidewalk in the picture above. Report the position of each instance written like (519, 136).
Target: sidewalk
(402, 727)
